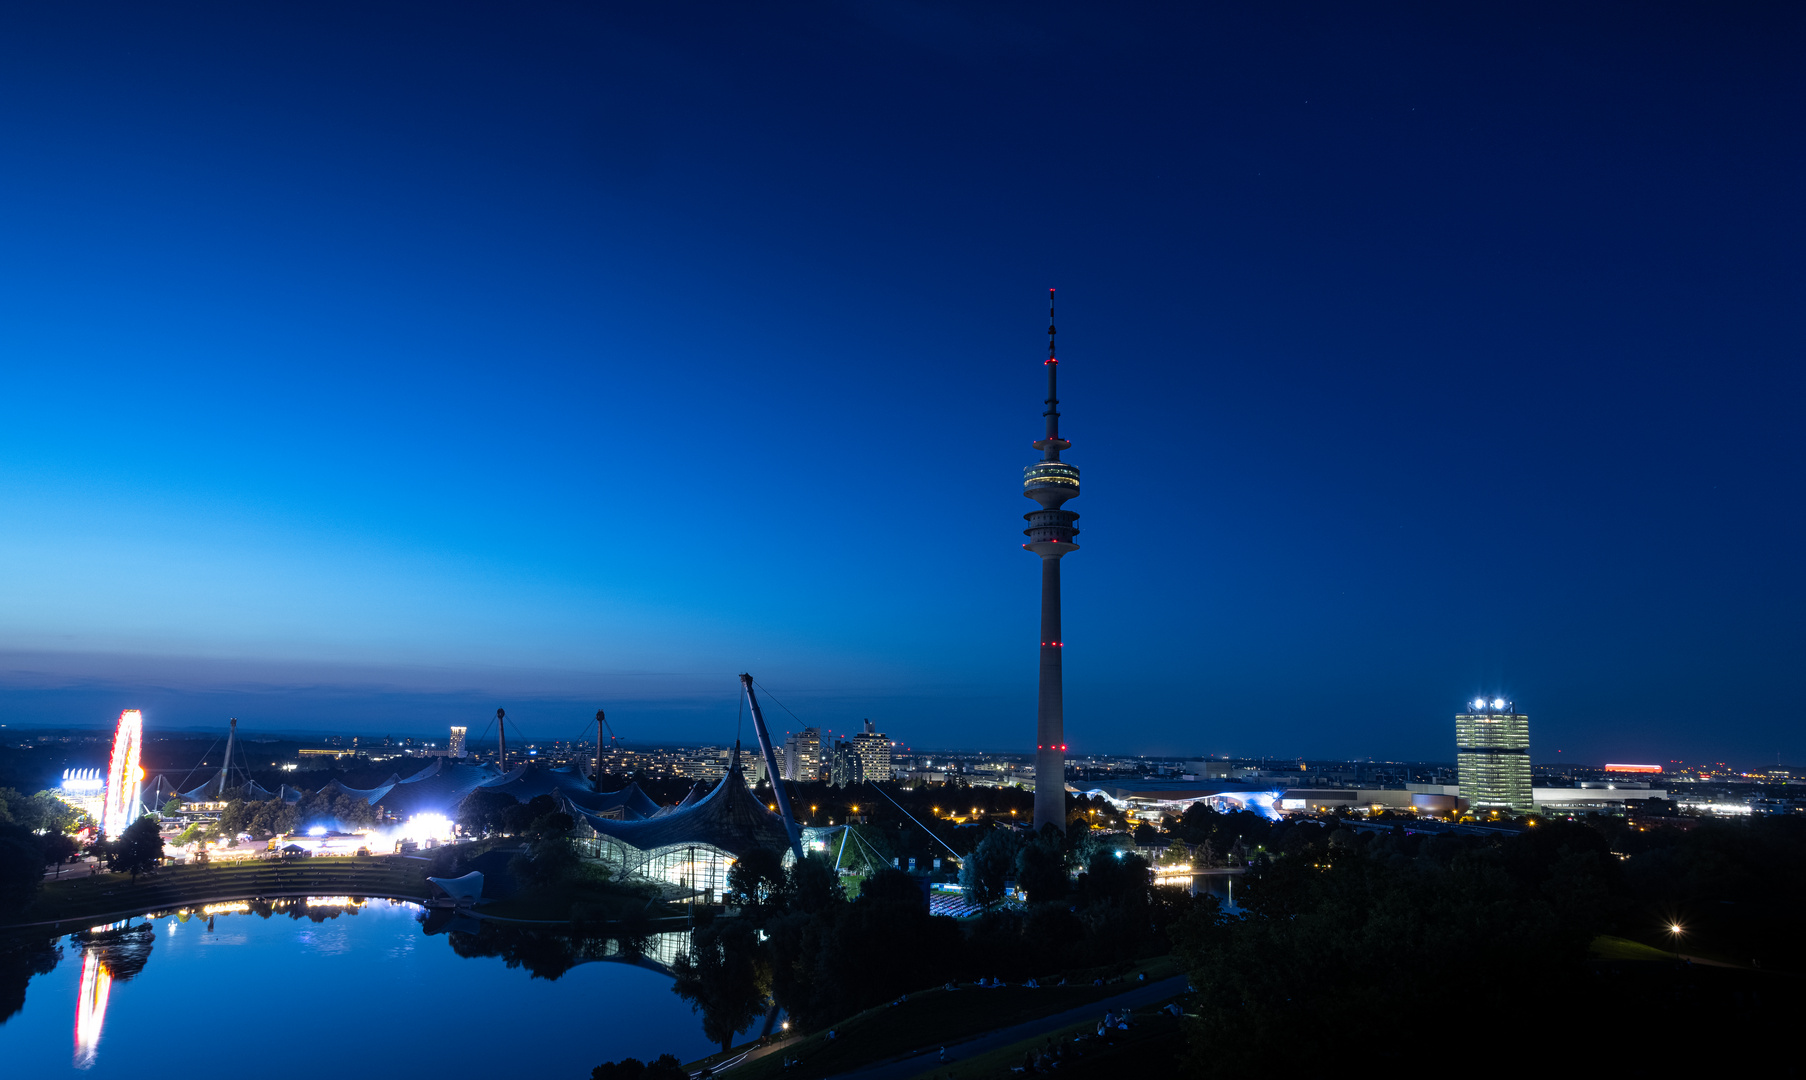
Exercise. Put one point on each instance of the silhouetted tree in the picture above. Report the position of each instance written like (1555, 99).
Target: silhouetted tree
(138, 849)
(21, 867)
(481, 811)
(58, 847)
(1337, 941)
(991, 863)
(1041, 869)
(758, 885)
(663, 1067)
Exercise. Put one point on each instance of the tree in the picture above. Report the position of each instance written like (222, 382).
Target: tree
(664, 1067)
(1338, 942)
(481, 811)
(885, 943)
(549, 858)
(724, 977)
(518, 819)
(58, 847)
(138, 850)
(1041, 869)
(42, 812)
(198, 833)
(990, 865)
(757, 884)
(21, 866)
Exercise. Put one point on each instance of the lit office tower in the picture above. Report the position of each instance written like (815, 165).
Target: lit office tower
(1492, 752)
(457, 741)
(1050, 482)
(802, 755)
(843, 765)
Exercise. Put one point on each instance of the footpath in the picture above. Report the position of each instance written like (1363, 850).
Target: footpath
(929, 1058)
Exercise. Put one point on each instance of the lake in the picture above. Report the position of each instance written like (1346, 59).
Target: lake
(341, 988)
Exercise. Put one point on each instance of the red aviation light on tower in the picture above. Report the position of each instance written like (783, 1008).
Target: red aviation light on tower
(119, 807)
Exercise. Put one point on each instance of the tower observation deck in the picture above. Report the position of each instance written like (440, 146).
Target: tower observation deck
(1050, 482)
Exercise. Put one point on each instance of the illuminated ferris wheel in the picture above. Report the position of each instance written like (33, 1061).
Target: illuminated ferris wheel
(124, 775)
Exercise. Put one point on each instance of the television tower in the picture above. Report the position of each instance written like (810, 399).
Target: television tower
(1050, 482)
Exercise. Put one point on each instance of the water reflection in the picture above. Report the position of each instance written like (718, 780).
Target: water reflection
(91, 1008)
(23, 956)
(118, 952)
(1220, 884)
(115, 952)
(548, 954)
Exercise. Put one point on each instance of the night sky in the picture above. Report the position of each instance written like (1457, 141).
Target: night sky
(368, 366)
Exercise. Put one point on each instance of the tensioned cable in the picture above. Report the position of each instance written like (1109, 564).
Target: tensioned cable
(872, 855)
(912, 817)
(779, 704)
(191, 772)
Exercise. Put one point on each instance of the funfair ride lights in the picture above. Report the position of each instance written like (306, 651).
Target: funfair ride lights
(124, 775)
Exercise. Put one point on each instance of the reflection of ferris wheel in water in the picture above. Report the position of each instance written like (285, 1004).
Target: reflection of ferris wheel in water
(124, 775)
(91, 1007)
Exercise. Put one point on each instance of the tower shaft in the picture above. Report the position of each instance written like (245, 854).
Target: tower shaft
(219, 791)
(1050, 713)
(600, 720)
(501, 727)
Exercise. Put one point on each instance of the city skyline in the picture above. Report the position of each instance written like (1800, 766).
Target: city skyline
(1426, 356)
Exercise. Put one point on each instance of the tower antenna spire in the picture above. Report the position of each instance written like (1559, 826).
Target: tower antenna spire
(1052, 450)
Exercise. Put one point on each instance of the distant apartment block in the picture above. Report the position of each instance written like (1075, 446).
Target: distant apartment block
(802, 755)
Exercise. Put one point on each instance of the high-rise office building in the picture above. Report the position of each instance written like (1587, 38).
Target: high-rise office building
(802, 755)
(457, 741)
(1492, 755)
(843, 765)
(1050, 482)
(873, 750)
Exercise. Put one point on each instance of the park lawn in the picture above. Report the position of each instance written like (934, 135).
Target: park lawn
(1607, 947)
(79, 898)
(1151, 1047)
(932, 1018)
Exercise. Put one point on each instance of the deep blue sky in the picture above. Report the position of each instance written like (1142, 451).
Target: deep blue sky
(369, 366)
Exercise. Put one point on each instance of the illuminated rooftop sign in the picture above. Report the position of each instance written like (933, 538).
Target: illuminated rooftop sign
(1634, 768)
